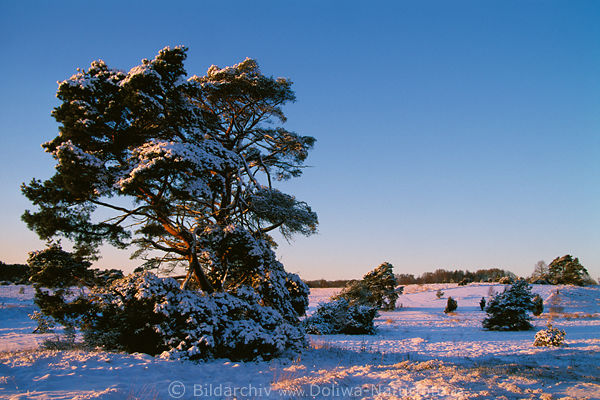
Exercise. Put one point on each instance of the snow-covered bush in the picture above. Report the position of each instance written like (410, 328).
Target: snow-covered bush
(339, 316)
(451, 305)
(145, 313)
(549, 337)
(507, 311)
(439, 294)
(254, 314)
(538, 305)
(233, 257)
(376, 289)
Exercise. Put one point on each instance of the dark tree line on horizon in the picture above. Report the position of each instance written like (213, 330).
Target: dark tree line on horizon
(440, 275)
(18, 273)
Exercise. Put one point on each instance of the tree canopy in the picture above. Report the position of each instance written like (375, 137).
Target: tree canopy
(376, 289)
(508, 311)
(186, 165)
(568, 270)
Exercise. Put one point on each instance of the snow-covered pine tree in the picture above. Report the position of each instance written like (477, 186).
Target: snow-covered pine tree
(382, 284)
(508, 311)
(376, 289)
(186, 165)
(341, 317)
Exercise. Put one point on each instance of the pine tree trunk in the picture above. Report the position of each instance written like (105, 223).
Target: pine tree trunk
(198, 274)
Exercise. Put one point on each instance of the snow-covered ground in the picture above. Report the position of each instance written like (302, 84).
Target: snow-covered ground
(419, 352)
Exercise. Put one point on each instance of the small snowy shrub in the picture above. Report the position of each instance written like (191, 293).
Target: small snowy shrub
(507, 311)
(148, 314)
(339, 316)
(439, 294)
(451, 305)
(549, 337)
(376, 289)
(538, 305)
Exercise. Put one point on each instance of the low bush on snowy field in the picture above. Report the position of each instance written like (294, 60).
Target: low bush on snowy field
(538, 305)
(148, 314)
(339, 316)
(549, 337)
(507, 311)
(255, 316)
(451, 305)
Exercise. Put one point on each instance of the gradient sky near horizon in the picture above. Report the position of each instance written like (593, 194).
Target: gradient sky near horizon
(461, 134)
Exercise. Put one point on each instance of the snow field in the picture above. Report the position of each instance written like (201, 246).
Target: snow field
(419, 352)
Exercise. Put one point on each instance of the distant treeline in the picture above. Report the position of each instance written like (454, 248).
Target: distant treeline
(322, 283)
(456, 276)
(14, 273)
(437, 276)
(19, 274)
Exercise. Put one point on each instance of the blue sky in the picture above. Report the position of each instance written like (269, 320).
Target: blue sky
(449, 134)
